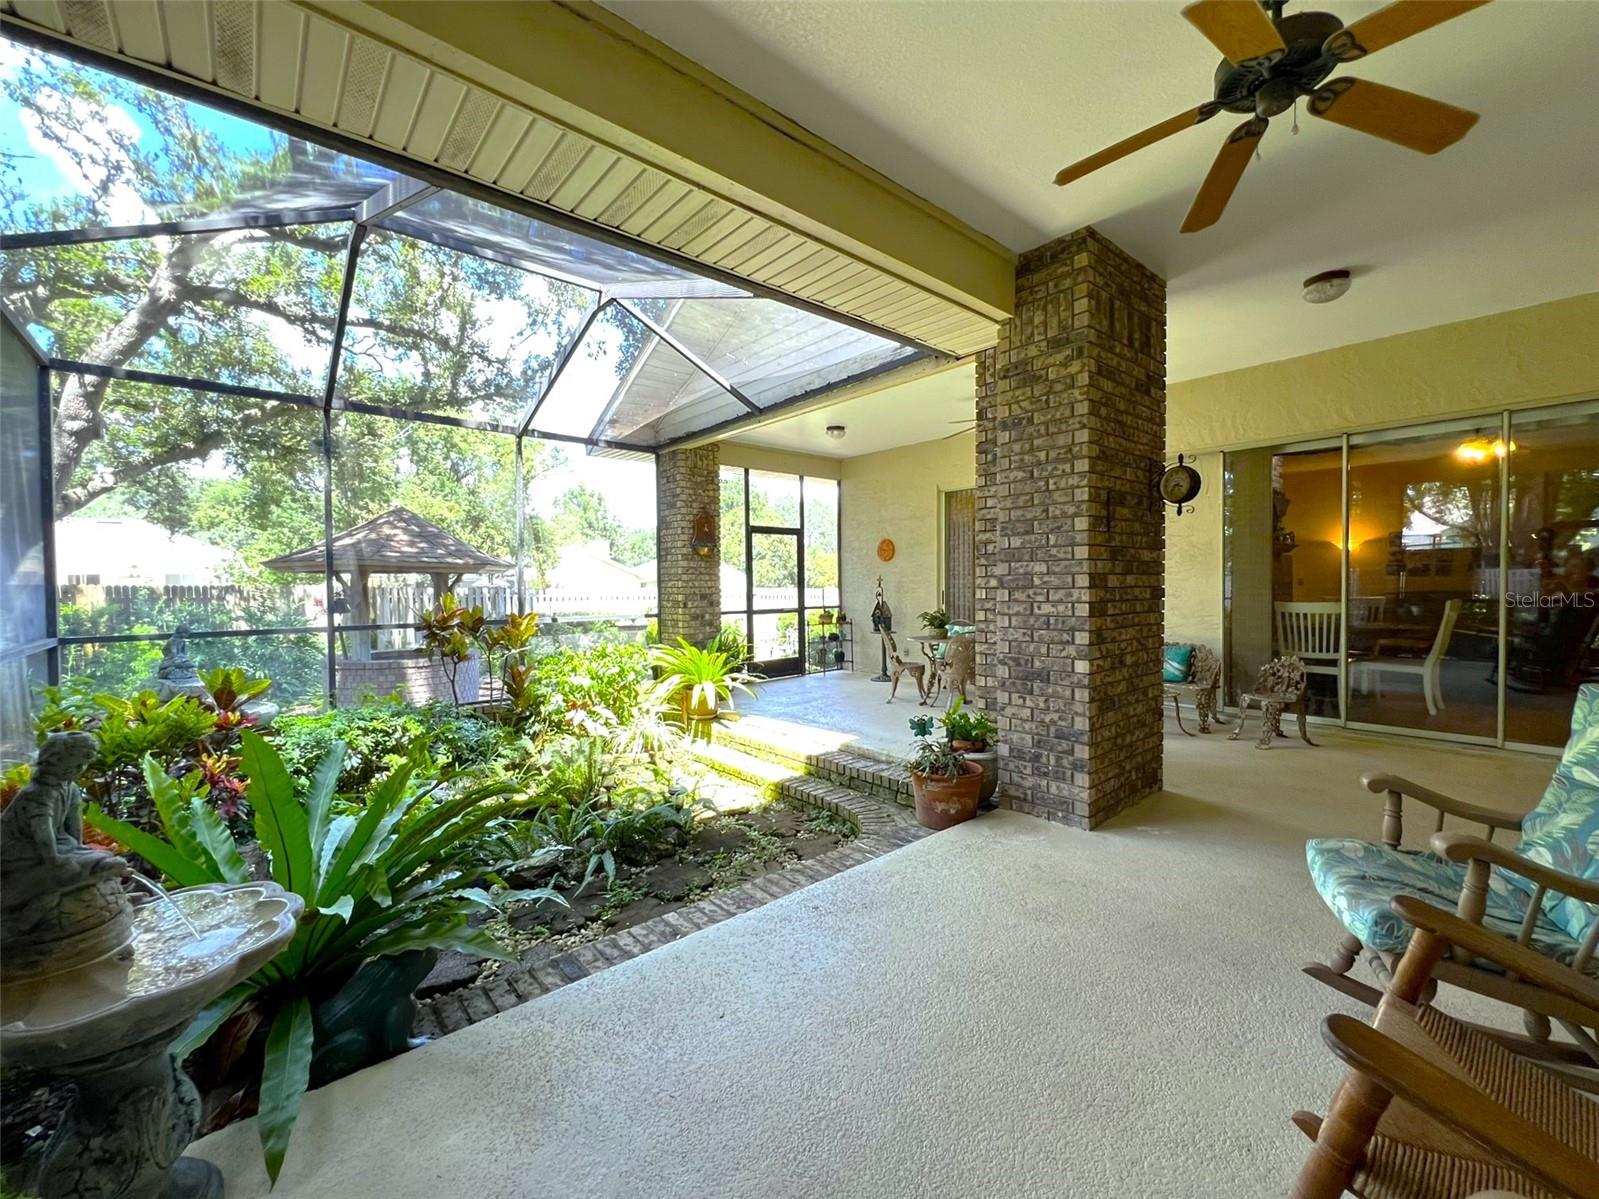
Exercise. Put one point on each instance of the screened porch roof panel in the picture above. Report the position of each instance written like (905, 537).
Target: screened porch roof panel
(614, 341)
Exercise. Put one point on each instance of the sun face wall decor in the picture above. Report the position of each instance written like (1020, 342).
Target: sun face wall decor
(885, 550)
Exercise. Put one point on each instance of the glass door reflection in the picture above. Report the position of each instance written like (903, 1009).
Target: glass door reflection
(1552, 583)
(1423, 578)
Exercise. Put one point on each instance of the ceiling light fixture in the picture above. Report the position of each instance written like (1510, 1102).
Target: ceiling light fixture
(1326, 287)
(836, 432)
(1476, 450)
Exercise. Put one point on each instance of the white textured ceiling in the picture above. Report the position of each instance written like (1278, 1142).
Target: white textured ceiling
(932, 406)
(975, 105)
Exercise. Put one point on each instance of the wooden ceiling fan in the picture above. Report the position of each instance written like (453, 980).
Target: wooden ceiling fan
(1272, 60)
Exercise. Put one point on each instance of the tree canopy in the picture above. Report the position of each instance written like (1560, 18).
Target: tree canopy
(429, 330)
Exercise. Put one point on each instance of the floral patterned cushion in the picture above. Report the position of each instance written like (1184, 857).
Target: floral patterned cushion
(1357, 880)
(1563, 830)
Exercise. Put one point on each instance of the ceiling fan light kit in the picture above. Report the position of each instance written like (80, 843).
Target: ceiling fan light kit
(1271, 61)
(1326, 287)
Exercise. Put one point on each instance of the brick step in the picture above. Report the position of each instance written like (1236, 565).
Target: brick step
(871, 813)
(860, 769)
(728, 759)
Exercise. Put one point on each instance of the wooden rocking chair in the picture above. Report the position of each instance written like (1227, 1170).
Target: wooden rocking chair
(1516, 894)
(1434, 1109)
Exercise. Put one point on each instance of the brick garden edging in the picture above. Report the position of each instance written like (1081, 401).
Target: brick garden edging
(879, 827)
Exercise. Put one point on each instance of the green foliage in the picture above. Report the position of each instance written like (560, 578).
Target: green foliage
(231, 687)
(593, 808)
(126, 731)
(698, 679)
(453, 632)
(13, 781)
(730, 640)
(243, 306)
(581, 514)
(295, 663)
(933, 758)
(597, 691)
(185, 735)
(381, 735)
(961, 725)
(936, 619)
(406, 873)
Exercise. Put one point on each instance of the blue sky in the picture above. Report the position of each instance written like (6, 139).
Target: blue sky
(40, 166)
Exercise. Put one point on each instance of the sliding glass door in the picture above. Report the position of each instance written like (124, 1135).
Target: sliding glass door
(1552, 581)
(1439, 579)
(1424, 512)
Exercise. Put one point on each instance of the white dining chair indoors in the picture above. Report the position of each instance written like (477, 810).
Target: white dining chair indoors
(1311, 633)
(1368, 672)
(1366, 609)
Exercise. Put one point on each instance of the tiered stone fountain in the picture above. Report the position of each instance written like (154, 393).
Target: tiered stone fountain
(95, 989)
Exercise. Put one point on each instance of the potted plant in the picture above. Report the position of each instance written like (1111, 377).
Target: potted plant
(936, 622)
(945, 784)
(973, 734)
(698, 679)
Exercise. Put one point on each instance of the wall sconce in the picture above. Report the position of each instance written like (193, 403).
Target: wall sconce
(704, 539)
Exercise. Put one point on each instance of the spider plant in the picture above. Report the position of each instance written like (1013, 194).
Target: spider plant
(701, 679)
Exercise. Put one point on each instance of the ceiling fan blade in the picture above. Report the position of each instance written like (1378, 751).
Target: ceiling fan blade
(1224, 175)
(1400, 20)
(1240, 29)
(1392, 114)
(1155, 133)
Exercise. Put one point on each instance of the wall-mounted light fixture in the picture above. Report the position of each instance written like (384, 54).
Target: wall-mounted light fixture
(704, 539)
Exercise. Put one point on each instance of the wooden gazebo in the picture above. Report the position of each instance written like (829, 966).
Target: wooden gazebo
(397, 542)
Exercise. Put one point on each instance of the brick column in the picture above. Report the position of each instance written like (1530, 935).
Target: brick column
(1071, 412)
(690, 589)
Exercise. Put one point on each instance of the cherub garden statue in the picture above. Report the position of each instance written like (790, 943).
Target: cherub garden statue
(61, 901)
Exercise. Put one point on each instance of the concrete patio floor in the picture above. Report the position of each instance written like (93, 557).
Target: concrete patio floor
(846, 702)
(1011, 1008)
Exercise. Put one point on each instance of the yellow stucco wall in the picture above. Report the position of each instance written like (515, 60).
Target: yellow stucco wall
(1538, 355)
(1526, 356)
(897, 494)
(1193, 558)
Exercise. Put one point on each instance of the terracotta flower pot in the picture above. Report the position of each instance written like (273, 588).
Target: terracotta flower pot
(942, 802)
